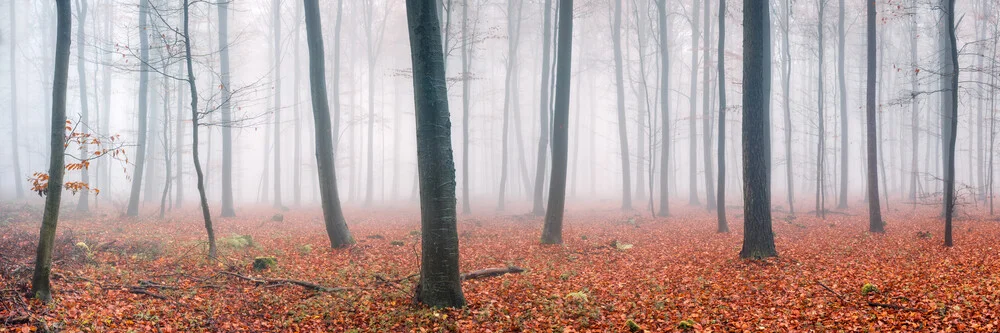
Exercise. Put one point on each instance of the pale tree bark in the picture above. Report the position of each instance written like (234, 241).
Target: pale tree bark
(786, 77)
(140, 154)
(276, 34)
(228, 210)
(707, 114)
(440, 282)
(466, 64)
(723, 226)
(552, 230)
(538, 208)
(513, 39)
(297, 154)
(333, 215)
(821, 139)
(758, 237)
(842, 91)
(16, 157)
(661, 8)
(693, 103)
(620, 91)
(875, 223)
(914, 114)
(40, 287)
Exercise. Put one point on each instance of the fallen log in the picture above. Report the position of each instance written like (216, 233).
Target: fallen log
(142, 291)
(491, 272)
(274, 282)
(892, 306)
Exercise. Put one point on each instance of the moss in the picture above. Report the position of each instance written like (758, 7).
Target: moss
(237, 241)
(686, 325)
(304, 249)
(632, 326)
(278, 218)
(397, 243)
(580, 296)
(868, 288)
(414, 232)
(262, 263)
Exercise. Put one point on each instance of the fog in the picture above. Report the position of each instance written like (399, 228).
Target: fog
(376, 102)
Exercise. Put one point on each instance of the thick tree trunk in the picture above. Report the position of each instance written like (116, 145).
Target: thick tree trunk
(552, 230)
(333, 216)
(543, 137)
(721, 195)
(40, 286)
(874, 210)
(665, 137)
(228, 210)
(758, 237)
(140, 153)
(914, 114)
(951, 76)
(440, 282)
(620, 85)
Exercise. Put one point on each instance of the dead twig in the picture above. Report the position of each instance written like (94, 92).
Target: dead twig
(892, 306)
(835, 293)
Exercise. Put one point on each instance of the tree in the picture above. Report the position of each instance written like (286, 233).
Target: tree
(195, 117)
(758, 237)
(440, 282)
(616, 29)
(81, 71)
(226, 112)
(543, 137)
(140, 154)
(297, 154)
(466, 63)
(661, 8)
(821, 149)
(333, 215)
(706, 121)
(373, 48)
(276, 47)
(16, 159)
(786, 78)
(842, 91)
(951, 72)
(513, 40)
(552, 230)
(874, 211)
(721, 195)
(40, 287)
(693, 103)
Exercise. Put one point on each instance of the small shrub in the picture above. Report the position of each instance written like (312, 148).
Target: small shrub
(262, 263)
(580, 296)
(868, 288)
(237, 241)
(686, 325)
(304, 249)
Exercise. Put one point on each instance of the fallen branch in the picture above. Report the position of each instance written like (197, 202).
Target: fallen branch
(273, 282)
(141, 291)
(892, 306)
(16, 320)
(841, 297)
(491, 272)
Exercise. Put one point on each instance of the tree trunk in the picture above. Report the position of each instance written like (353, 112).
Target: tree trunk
(543, 137)
(335, 131)
(664, 110)
(914, 114)
(951, 75)
(821, 139)
(40, 287)
(842, 91)
(297, 155)
(276, 25)
(140, 153)
(81, 71)
(721, 195)
(620, 85)
(693, 103)
(786, 77)
(440, 281)
(466, 63)
(707, 114)
(552, 230)
(228, 210)
(874, 210)
(333, 216)
(514, 34)
(758, 237)
(13, 105)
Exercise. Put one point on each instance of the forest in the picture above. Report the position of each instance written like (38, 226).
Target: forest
(499, 166)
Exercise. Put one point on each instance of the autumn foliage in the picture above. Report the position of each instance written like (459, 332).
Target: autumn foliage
(87, 147)
(616, 272)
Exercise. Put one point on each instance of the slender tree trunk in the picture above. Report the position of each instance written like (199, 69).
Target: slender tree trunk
(333, 216)
(951, 75)
(81, 71)
(513, 33)
(552, 230)
(875, 223)
(706, 121)
(842, 91)
(693, 103)
(821, 150)
(620, 85)
(758, 237)
(276, 25)
(440, 284)
(335, 131)
(192, 86)
(228, 210)
(721, 195)
(543, 137)
(297, 157)
(466, 63)
(13, 105)
(165, 136)
(140, 154)
(666, 139)
(786, 77)
(40, 286)
(914, 114)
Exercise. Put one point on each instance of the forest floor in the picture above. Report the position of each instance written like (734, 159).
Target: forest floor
(615, 269)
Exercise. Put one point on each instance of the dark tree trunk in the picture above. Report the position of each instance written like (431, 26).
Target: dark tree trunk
(721, 195)
(228, 210)
(81, 70)
(620, 86)
(40, 287)
(758, 237)
(874, 210)
(842, 91)
(951, 75)
(664, 110)
(440, 282)
(140, 153)
(552, 230)
(543, 137)
(333, 216)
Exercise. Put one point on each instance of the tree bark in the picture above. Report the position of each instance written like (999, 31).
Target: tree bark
(951, 75)
(440, 282)
(821, 150)
(842, 91)
(297, 154)
(514, 34)
(706, 120)
(693, 103)
(276, 26)
(786, 77)
(758, 237)
(620, 85)
(333, 215)
(664, 110)
(721, 195)
(552, 230)
(466, 63)
(874, 210)
(140, 153)
(543, 137)
(228, 210)
(83, 205)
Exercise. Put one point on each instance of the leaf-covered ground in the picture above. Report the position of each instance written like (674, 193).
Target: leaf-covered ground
(119, 274)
